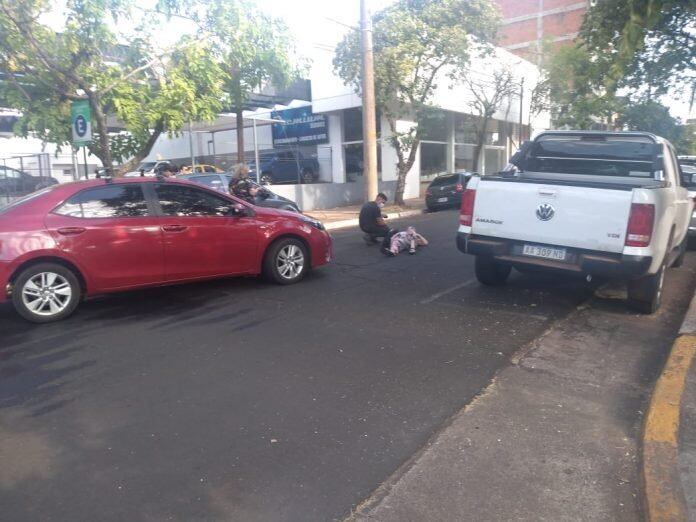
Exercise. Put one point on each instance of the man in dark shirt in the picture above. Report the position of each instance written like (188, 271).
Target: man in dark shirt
(372, 222)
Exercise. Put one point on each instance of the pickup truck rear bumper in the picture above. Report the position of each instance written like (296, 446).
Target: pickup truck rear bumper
(580, 261)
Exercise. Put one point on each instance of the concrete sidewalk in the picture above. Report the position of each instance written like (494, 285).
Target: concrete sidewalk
(556, 434)
(344, 217)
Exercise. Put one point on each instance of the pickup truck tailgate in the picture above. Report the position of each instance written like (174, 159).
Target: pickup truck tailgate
(572, 216)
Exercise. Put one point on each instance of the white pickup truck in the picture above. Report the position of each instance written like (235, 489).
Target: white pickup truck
(594, 203)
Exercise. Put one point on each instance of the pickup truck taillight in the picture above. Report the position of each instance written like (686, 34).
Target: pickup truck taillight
(459, 187)
(466, 213)
(640, 225)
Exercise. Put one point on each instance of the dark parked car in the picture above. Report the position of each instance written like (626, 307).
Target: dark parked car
(687, 160)
(446, 191)
(14, 182)
(282, 166)
(100, 236)
(265, 198)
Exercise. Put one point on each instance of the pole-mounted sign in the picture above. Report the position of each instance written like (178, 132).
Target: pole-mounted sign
(81, 117)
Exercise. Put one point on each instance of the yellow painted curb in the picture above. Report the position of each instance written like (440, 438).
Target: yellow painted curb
(664, 496)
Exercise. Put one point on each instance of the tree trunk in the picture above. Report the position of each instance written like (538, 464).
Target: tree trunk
(480, 141)
(103, 130)
(400, 184)
(403, 169)
(132, 163)
(240, 134)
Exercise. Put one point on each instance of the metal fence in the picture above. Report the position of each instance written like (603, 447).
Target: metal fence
(22, 174)
(290, 163)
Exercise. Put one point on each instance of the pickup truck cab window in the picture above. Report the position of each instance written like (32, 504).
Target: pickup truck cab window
(593, 155)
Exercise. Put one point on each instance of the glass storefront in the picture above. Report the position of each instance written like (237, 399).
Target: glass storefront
(353, 156)
(433, 158)
(494, 160)
(352, 125)
(464, 158)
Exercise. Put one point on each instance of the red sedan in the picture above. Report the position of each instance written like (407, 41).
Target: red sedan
(69, 241)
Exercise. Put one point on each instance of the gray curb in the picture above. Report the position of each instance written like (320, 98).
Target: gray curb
(347, 223)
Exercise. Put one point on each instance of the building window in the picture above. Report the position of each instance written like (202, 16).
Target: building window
(433, 125)
(493, 160)
(464, 158)
(464, 128)
(352, 124)
(433, 158)
(353, 154)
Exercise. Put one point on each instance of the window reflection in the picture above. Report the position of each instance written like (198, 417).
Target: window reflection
(177, 200)
(106, 202)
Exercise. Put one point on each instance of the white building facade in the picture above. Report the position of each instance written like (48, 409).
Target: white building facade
(448, 144)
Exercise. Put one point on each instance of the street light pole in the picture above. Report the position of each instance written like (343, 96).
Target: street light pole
(193, 165)
(368, 114)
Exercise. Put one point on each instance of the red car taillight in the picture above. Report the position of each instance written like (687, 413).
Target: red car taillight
(640, 225)
(459, 187)
(466, 213)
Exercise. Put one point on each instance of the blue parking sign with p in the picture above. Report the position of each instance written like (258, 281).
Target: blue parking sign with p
(81, 123)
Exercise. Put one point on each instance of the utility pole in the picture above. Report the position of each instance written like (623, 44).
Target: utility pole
(368, 99)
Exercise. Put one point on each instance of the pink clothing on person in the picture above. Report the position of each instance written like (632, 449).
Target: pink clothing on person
(402, 240)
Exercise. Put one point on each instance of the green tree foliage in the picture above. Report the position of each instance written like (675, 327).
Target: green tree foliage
(118, 72)
(686, 142)
(577, 97)
(641, 49)
(254, 48)
(645, 43)
(417, 43)
(649, 116)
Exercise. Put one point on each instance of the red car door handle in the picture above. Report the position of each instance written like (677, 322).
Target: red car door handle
(174, 228)
(71, 231)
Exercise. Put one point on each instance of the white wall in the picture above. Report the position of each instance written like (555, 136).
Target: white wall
(458, 97)
(320, 196)
(59, 161)
(225, 143)
(329, 93)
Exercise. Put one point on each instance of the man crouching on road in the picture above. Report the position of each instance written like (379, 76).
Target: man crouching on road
(372, 222)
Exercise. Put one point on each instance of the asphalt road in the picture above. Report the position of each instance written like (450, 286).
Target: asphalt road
(241, 400)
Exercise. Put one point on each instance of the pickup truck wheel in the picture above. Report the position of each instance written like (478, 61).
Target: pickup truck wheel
(645, 294)
(491, 272)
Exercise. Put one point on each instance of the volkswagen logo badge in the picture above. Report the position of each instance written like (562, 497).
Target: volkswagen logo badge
(545, 212)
